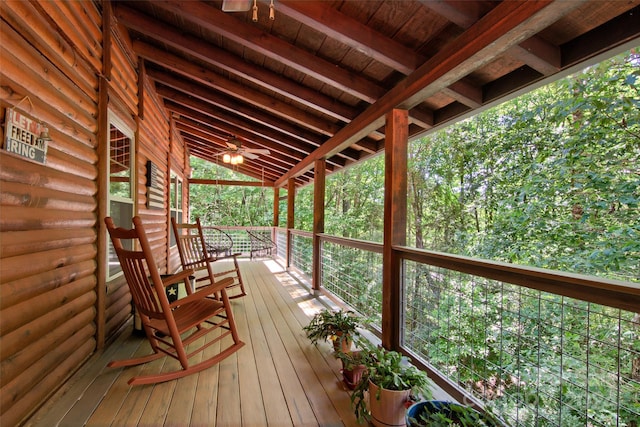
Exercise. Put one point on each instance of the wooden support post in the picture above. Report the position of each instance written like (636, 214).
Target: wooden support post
(318, 218)
(103, 197)
(291, 203)
(103, 173)
(395, 223)
(276, 206)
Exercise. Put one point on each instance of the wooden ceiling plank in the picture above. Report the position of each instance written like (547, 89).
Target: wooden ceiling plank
(273, 47)
(618, 31)
(462, 14)
(324, 18)
(506, 25)
(210, 54)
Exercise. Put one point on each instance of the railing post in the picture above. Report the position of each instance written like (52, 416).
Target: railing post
(291, 203)
(276, 207)
(318, 219)
(395, 223)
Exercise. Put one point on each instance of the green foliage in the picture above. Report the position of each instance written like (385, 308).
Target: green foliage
(549, 179)
(228, 205)
(354, 201)
(336, 325)
(443, 414)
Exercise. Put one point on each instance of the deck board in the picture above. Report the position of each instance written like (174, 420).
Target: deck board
(277, 379)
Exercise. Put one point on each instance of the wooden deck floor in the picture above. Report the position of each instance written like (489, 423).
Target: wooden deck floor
(277, 379)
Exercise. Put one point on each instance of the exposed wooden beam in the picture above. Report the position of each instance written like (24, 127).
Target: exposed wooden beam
(326, 19)
(225, 24)
(506, 25)
(215, 81)
(307, 139)
(535, 51)
(217, 57)
(285, 145)
(465, 93)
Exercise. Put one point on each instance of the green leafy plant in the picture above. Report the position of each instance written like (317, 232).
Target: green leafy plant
(446, 414)
(338, 326)
(388, 370)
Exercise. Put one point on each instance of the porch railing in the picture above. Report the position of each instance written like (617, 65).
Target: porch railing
(544, 348)
(239, 236)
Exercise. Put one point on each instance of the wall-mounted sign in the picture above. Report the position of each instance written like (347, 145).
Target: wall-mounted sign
(25, 137)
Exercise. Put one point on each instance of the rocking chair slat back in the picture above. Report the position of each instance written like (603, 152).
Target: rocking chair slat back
(171, 327)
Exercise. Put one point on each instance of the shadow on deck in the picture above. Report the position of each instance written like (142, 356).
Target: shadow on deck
(277, 379)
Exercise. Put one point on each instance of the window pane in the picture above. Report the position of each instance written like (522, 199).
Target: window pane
(120, 164)
(121, 213)
(172, 192)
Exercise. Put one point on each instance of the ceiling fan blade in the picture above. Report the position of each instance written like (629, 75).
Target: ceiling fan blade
(236, 5)
(250, 156)
(232, 145)
(256, 150)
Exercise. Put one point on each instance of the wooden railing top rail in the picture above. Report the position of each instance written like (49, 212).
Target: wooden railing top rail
(354, 243)
(302, 233)
(234, 227)
(609, 292)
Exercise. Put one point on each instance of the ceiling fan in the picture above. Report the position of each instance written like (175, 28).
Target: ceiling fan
(246, 5)
(235, 153)
(236, 5)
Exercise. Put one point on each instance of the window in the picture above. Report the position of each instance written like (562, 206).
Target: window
(121, 184)
(175, 203)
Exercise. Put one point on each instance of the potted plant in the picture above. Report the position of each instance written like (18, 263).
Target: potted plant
(437, 413)
(340, 327)
(353, 366)
(391, 383)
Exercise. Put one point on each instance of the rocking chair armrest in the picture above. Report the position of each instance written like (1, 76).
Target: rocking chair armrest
(204, 292)
(233, 255)
(199, 262)
(177, 278)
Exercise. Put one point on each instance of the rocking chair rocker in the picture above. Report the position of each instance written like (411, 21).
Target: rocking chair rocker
(195, 254)
(172, 328)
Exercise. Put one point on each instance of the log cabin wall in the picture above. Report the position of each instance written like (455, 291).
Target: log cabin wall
(56, 307)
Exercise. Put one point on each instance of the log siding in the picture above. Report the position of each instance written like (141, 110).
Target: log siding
(55, 308)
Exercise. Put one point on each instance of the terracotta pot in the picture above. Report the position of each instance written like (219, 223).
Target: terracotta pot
(390, 408)
(345, 343)
(352, 377)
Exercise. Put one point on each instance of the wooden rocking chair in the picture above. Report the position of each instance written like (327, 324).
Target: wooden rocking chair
(261, 245)
(172, 328)
(194, 254)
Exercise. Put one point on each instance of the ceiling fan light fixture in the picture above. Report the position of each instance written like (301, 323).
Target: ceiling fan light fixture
(226, 158)
(234, 159)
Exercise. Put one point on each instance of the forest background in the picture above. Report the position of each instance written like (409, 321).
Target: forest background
(549, 179)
